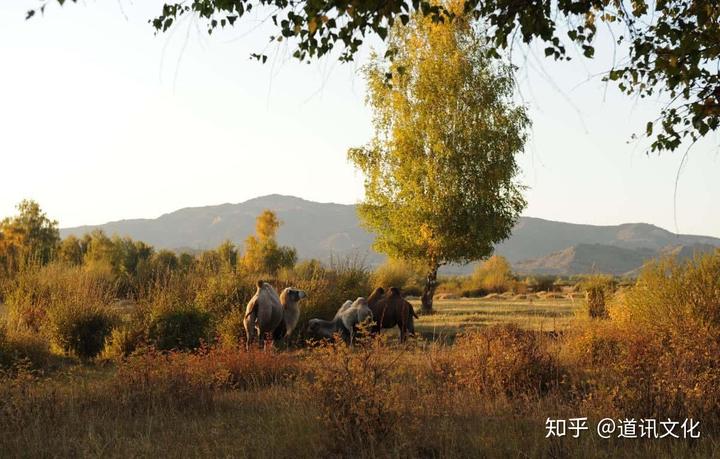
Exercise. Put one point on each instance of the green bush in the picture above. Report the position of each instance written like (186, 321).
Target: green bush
(80, 330)
(180, 328)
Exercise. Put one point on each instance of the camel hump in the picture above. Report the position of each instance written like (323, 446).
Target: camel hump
(260, 283)
(394, 291)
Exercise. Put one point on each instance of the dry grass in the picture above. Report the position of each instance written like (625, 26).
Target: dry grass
(377, 400)
(453, 316)
(486, 395)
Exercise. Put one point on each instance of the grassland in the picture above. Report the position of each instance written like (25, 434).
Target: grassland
(466, 314)
(487, 396)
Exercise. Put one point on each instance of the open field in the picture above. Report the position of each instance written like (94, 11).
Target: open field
(465, 314)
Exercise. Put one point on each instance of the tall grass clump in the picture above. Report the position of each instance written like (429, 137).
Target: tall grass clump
(368, 402)
(503, 361)
(22, 348)
(598, 289)
(669, 295)
(69, 306)
(36, 290)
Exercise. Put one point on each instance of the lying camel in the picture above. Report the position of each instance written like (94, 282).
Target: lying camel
(267, 312)
(390, 310)
(346, 321)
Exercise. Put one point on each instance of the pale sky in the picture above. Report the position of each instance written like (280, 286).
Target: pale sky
(102, 120)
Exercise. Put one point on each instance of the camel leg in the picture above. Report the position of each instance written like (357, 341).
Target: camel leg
(261, 340)
(249, 334)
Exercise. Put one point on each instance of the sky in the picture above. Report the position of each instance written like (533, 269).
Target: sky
(101, 120)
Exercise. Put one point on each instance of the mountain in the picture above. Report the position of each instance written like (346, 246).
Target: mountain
(318, 230)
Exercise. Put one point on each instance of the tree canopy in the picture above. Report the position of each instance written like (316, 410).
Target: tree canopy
(262, 252)
(28, 236)
(673, 46)
(440, 170)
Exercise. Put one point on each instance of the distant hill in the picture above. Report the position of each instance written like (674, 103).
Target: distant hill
(588, 258)
(318, 230)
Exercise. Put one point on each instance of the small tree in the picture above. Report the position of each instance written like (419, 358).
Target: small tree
(439, 172)
(30, 235)
(262, 252)
(71, 251)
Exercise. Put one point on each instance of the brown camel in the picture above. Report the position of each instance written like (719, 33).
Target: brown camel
(390, 310)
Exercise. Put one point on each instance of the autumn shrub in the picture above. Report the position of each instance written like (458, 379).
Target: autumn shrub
(493, 275)
(22, 349)
(231, 330)
(669, 294)
(125, 339)
(235, 368)
(181, 327)
(150, 378)
(222, 293)
(452, 284)
(397, 273)
(366, 398)
(172, 318)
(504, 361)
(80, 329)
(474, 293)
(659, 354)
(35, 290)
(540, 283)
(598, 289)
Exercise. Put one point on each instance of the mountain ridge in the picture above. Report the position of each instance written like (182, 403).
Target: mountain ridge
(319, 230)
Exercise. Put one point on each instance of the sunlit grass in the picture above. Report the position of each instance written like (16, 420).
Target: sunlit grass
(453, 316)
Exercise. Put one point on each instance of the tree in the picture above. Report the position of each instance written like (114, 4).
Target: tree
(228, 253)
(672, 45)
(71, 251)
(493, 275)
(262, 252)
(30, 235)
(165, 261)
(439, 172)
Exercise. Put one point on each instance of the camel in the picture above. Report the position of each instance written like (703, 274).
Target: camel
(346, 321)
(267, 312)
(392, 310)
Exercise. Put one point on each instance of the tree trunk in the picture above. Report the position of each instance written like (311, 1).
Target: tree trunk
(429, 290)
